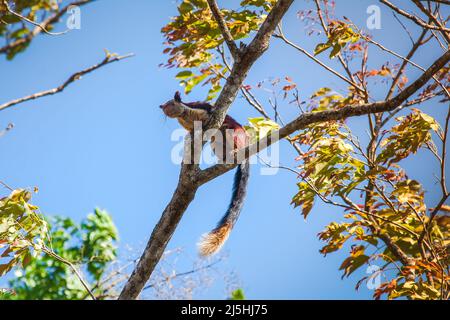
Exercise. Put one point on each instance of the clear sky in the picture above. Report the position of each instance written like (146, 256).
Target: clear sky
(104, 142)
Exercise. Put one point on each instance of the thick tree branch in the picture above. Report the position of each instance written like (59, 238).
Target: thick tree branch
(249, 55)
(330, 115)
(76, 76)
(162, 233)
(349, 111)
(188, 182)
(224, 29)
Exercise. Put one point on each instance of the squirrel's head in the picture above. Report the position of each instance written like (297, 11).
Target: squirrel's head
(174, 107)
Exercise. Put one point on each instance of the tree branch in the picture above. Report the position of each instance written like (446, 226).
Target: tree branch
(76, 76)
(281, 36)
(188, 181)
(191, 177)
(330, 115)
(415, 19)
(340, 114)
(224, 29)
(250, 54)
(74, 269)
(186, 273)
(445, 32)
(42, 26)
(162, 233)
(8, 8)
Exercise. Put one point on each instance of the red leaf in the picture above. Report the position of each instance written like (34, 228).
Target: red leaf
(289, 87)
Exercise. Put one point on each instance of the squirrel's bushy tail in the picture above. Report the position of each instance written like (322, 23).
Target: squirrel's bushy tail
(211, 242)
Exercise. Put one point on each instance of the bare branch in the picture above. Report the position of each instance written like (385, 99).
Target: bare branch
(74, 269)
(182, 274)
(445, 32)
(76, 76)
(161, 235)
(6, 186)
(281, 36)
(415, 47)
(415, 19)
(407, 59)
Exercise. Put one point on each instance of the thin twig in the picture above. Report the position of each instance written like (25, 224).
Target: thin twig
(281, 36)
(74, 269)
(37, 30)
(40, 26)
(182, 274)
(76, 76)
(6, 186)
(413, 18)
(8, 128)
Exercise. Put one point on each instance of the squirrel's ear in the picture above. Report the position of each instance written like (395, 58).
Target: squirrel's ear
(177, 96)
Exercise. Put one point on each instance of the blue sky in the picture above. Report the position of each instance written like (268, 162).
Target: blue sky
(104, 142)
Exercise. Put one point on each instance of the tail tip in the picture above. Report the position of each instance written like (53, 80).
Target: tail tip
(212, 242)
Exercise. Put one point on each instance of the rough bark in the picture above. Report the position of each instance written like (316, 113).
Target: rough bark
(191, 177)
(188, 181)
(309, 118)
(162, 233)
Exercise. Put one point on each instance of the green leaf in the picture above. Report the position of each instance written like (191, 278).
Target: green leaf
(185, 7)
(237, 295)
(336, 50)
(321, 47)
(91, 245)
(184, 74)
(20, 33)
(260, 127)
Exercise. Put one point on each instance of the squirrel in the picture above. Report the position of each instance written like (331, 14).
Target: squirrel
(235, 137)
